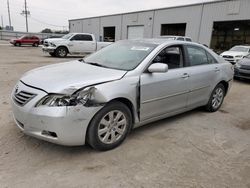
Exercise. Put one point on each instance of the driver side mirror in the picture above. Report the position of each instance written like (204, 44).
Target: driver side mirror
(158, 67)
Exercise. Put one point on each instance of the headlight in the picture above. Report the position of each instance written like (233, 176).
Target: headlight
(239, 56)
(55, 100)
(52, 44)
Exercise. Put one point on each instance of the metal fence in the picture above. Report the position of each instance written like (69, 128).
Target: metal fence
(7, 35)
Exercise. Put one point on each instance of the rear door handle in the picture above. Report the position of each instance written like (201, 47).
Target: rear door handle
(185, 75)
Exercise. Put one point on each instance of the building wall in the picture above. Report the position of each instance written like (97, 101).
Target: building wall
(198, 18)
(224, 11)
(189, 15)
(142, 18)
(112, 21)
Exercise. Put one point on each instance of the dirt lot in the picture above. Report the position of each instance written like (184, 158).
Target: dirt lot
(195, 149)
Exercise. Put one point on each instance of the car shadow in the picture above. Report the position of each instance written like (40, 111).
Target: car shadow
(48, 147)
(242, 80)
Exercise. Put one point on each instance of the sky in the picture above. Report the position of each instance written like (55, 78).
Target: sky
(54, 14)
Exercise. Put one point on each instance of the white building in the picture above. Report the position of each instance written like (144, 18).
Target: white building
(219, 24)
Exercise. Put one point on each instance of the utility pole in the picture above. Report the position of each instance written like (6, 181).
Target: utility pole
(2, 21)
(26, 13)
(8, 6)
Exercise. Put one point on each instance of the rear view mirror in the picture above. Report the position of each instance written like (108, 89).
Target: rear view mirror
(158, 67)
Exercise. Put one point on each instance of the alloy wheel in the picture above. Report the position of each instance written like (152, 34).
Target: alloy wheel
(217, 98)
(112, 127)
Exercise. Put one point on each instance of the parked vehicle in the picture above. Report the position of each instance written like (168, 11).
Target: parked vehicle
(242, 68)
(236, 53)
(73, 43)
(100, 98)
(181, 38)
(26, 40)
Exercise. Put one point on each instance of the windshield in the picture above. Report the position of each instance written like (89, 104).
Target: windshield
(239, 49)
(67, 36)
(123, 55)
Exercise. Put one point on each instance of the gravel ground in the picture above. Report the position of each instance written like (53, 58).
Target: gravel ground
(194, 149)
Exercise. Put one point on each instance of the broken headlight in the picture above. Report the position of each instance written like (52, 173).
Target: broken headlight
(55, 100)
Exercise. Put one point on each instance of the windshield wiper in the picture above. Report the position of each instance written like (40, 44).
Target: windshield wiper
(96, 64)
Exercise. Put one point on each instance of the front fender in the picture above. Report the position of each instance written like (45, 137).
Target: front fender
(127, 88)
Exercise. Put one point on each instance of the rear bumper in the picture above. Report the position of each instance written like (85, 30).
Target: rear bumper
(60, 125)
(49, 49)
(242, 73)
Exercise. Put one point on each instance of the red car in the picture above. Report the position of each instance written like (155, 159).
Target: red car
(26, 40)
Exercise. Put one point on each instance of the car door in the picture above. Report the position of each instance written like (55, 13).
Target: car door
(25, 40)
(203, 71)
(82, 43)
(163, 93)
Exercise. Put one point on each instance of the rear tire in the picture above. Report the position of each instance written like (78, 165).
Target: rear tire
(61, 52)
(216, 98)
(109, 127)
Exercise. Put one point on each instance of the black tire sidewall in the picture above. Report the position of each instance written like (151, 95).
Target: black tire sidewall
(92, 134)
(209, 106)
(57, 52)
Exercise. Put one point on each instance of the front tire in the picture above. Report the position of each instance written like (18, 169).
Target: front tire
(36, 44)
(109, 127)
(61, 52)
(216, 98)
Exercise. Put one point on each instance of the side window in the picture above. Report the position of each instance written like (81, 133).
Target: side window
(180, 38)
(76, 37)
(87, 37)
(82, 38)
(211, 59)
(197, 56)
(188, 39)
(172, 56)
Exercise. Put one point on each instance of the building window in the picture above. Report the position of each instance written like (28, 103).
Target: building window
(173, 29)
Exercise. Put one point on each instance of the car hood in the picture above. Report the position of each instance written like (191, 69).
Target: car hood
(55, 40)
(245, 61)
(69, 77)
(233, 53)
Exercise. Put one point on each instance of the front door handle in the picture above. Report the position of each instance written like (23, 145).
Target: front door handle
(185, 75)
(216, 69)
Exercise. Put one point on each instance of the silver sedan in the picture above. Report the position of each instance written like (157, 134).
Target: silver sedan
(99, 99)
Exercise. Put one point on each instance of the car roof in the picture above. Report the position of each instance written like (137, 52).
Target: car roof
(159, 41)
(245, 46)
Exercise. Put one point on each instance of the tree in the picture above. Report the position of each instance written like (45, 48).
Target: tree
(46, 30)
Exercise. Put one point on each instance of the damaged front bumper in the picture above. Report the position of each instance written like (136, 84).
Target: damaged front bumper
(59, 125)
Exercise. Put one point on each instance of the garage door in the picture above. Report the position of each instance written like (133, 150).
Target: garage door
(135, 32)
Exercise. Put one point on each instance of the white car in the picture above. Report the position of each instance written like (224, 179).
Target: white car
(236, 53)
(73, 43)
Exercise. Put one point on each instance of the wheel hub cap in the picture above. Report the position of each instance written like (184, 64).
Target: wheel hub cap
(112, 127)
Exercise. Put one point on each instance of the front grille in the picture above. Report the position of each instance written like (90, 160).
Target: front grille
(228, 56)
(246, 67)
(23, 97)
(244, 74)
